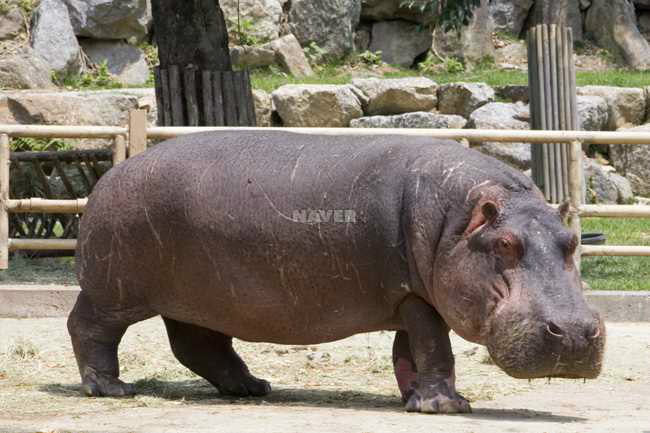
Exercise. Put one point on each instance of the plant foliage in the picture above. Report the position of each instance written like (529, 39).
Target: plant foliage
(450, 14)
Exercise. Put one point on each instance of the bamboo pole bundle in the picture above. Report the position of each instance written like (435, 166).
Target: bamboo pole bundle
(553, 105)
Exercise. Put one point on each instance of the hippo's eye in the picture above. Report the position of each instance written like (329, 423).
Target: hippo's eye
(509, 250)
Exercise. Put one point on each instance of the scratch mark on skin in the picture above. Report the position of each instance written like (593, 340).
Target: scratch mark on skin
(356, 272)
(449, 172)
(202, 177)
(268, 199)
(153, 229)
(354, 183)
(295, 167)
(471, 190)
(417, 188)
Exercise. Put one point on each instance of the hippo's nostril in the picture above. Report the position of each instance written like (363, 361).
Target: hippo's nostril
(554, 330)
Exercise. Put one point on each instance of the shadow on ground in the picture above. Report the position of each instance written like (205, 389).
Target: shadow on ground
(201, 392)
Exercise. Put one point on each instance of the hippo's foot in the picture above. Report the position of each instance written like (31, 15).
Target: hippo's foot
(101, 385)
(437, 399)
(242, 384)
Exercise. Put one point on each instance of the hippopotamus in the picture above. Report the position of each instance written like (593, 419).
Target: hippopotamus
(295, 238)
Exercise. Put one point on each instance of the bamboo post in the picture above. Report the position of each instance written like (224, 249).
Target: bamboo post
(119, 149)
(575, 194)
(4, 197)
(137, 132)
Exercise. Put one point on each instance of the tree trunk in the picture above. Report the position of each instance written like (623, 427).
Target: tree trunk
(191, 32)
(195, 83)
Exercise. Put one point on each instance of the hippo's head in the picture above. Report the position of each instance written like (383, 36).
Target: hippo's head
(508, 280)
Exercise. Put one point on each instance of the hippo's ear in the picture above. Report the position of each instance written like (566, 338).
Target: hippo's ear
(485, 213)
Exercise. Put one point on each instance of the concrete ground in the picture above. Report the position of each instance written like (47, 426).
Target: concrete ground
(345, 386)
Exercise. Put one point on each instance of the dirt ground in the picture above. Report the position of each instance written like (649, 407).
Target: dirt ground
(345, 386)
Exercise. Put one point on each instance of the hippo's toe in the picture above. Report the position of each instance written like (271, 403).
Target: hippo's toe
(438, 403)
(106, 386)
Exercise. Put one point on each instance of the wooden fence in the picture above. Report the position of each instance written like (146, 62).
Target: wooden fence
(137, 134)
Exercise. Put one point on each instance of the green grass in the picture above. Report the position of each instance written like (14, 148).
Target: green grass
(271, 79)
(618, 273)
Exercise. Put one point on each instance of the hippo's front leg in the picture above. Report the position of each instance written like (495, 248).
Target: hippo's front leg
(424, 363)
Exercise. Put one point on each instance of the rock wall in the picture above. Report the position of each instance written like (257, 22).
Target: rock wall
(387, 103)
(66, 33)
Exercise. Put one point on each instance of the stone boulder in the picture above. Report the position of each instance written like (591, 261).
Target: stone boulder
(263, 107)
(397, 95)
(384, 10)
(11, 22)
(415, 120)
(474, 42)
(513, 93)
(125, 62)
(510, 15)
(512, 55)
(252, 57)
(464, 98)
(593, 113)
(633, 162)
(262, 18)
(400, 42)
(53, 38)
(327, 23)
(562, 12)
(499, 115)
(627, 105)
(613, 25)
(291, 57)
(104, 107)
(25, 70)
(317, 105)
(110, 19)
(604, 186)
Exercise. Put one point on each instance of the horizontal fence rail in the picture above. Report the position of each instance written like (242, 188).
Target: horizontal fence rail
(137, 134)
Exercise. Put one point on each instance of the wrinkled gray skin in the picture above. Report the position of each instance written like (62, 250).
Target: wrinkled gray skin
(201, 230)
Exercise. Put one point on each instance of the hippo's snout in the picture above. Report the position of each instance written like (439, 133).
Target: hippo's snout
(570, 347)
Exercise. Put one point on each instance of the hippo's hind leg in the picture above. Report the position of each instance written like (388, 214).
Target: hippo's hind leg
(95, 334)
(210, 354)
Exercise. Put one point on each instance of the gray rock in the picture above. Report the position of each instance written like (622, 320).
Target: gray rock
(627, 105)
(642, 4)
(252, 57)
(107, 107)
(291, 57)
(463, 98)
(397, 95)
(510, 15)
(362, 39)
(400, 42)
(498, 115)
(110, 19)
(604, 186)
(11, 23)
(53, 37)
(419, 119)
(633, 162)
(25, 70)
(644, 22)
(384, 10)
(593, 113)
(264, 16)
(474, 43)
(317, 105)
(329, 24)
(127, 63)
(515, 53)
(263, 107)
(513, 93)
(613, 25)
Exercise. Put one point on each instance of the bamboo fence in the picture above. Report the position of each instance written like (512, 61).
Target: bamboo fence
(138, 134)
